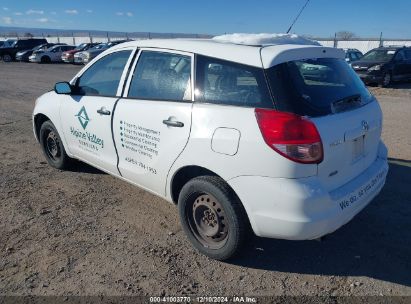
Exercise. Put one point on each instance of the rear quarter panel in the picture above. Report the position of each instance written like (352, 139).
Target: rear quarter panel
(253, 156)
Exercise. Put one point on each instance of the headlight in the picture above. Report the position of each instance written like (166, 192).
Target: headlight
(375, 68)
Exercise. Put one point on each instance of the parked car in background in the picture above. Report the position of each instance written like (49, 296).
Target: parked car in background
(384, 65)
(8, 43)
(352, 55)
(68, 56)
(9, 53)
(24, 55)
(52, 54)
(281, 139)
(80, 56)
(87, 56)
(1, 43)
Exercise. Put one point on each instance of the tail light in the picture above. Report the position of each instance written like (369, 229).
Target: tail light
(292, 136)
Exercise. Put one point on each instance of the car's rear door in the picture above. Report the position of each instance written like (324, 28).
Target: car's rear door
(87, 114)
(152, 122)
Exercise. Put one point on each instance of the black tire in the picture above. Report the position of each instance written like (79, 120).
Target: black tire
(220, 233)
(45, 59)
(386, 80)
(7, 58)
(52, 146)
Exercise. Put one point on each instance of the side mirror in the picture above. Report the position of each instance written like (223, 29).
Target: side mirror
(62, 88)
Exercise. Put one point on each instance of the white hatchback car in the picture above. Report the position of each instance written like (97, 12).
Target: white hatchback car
(52, 54)
(280, 139)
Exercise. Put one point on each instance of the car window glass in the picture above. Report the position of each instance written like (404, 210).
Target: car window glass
(314, 87)
(226, 82)
(400, 56)
(407, 54)
(162, 76)
(103, 77)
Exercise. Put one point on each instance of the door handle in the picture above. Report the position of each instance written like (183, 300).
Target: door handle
(103, 111)
(173, 123)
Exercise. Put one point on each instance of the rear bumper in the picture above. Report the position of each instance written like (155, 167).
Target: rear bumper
(301, 209)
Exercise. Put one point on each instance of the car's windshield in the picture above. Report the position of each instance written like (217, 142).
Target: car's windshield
(379, 55)
(39, 47)
(80, 47)
(316, 87)
(99, 46)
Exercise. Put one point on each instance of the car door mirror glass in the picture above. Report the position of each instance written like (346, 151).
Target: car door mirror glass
(62, 88)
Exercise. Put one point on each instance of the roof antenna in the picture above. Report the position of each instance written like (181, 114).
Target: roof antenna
(296, 18)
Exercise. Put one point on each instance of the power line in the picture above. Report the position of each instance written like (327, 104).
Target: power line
(296, 18)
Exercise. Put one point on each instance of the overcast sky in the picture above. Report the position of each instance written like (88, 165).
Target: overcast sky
(322, 18)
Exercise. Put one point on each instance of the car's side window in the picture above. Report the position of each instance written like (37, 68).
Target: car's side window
(161, 76)
(103, 77)
(225, 82)
(400, 56)
(407, 54)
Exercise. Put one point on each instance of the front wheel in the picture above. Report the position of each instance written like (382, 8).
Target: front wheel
(52, 146)
(213, 217)
(386, 80)
(7, 58)
(45, 59)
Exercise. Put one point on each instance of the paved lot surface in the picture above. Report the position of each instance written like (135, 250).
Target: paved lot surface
(84, 232)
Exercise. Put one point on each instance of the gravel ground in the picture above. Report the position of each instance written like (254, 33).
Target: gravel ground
(83, 232)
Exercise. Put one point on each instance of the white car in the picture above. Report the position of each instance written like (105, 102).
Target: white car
(241, 137)
(52, 54)
(79, 57)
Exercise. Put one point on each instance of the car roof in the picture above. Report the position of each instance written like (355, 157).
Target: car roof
(254, 55)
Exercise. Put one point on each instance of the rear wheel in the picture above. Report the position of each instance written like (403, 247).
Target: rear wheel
(52, 146)
(213, 217)
(7, 58)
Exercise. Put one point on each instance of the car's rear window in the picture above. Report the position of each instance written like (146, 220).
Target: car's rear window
(379, 55)
(316, 87)
(229, 83)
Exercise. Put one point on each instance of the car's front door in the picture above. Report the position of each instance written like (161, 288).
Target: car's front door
(54, 53)
(400, 66)
(407, 52)
(152, 122)
(86, 115)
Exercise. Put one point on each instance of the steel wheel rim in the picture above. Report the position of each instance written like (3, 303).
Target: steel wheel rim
(208, 222)
(52, 146)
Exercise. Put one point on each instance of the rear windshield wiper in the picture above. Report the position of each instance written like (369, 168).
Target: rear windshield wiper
(346, 103)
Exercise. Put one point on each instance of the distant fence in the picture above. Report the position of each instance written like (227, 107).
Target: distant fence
(362, 44)
(76, 39)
